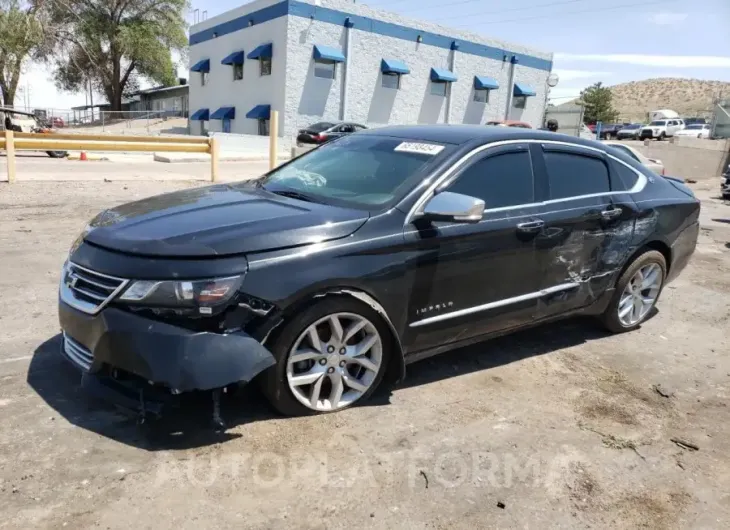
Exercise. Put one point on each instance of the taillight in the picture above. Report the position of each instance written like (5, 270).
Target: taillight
(663, 172)
(321, 137)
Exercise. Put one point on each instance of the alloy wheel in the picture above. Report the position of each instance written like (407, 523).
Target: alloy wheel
(334, 361)
(640, 294)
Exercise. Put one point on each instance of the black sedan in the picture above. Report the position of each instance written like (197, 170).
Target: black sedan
(325, 131)
(335, 270)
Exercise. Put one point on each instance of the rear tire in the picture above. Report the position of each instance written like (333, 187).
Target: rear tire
(340, 385)
(662, 137)
(637, 297)
(57, 154)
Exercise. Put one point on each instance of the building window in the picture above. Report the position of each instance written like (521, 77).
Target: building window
(519, 102)
(203, 78)
(325, 69)
(265, 65)
(263, 127)
(203, 127)
(438, 88)
(481, 96)
(237, 72)
(226, 126)
(391, 80)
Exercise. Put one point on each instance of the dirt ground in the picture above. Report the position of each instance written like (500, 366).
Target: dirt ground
(559, 426)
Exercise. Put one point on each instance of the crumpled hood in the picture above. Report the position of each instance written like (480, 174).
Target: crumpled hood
(219, 220)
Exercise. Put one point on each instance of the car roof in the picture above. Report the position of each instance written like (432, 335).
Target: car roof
(462, 134)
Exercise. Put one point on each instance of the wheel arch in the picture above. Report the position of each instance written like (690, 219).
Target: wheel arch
(654, 244)
(396, 369)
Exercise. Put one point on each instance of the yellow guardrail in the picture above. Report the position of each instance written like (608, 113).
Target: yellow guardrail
(12, 141)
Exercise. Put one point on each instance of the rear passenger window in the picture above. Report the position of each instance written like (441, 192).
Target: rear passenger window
(626, 175)
(499, 180)
(572, 175)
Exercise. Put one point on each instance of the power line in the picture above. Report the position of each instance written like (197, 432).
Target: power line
(523, 19)
(523, 8)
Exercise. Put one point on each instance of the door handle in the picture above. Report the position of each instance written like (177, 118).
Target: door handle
(611, 213)
(530, 227)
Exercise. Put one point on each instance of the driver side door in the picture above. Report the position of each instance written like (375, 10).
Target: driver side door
(472, 279)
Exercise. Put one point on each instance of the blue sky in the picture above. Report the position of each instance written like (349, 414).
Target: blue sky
(593, 40)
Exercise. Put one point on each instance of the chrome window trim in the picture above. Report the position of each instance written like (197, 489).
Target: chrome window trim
(444, 180)
(495, 304)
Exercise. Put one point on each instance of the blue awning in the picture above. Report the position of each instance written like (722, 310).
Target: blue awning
(200, 115)
(259, 112)
(201, 66)
(442, 75)
(234, 58)
(325, 53)
(224, 113)
(485, 83)
(523, 90)
(264, 51)
(393, 66)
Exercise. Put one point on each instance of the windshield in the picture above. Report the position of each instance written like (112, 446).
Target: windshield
(694, 127)
(658, 122)
(320, 126)
(632, 126)
(360, 171)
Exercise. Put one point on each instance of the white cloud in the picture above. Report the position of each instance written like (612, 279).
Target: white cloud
(665, 18)
(670, 61)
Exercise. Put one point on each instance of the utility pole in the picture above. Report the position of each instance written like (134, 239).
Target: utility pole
(91, 100)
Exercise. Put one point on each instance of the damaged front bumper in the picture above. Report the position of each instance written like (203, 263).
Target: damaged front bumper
(158, 353)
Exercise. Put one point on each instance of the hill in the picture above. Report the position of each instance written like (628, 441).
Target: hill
(689, 97)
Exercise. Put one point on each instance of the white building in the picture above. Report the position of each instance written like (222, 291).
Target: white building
(315, 60)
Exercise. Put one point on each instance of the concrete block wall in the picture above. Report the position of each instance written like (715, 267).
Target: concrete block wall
(221, 90)
(309, 99)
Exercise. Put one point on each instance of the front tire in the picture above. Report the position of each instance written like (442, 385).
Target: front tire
(637, 292)
(331, 356)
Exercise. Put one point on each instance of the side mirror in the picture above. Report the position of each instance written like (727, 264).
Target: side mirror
(453, 207)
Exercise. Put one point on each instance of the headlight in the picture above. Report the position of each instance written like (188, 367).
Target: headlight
(203, 295)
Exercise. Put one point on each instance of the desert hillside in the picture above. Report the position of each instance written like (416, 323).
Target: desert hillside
(689, 97)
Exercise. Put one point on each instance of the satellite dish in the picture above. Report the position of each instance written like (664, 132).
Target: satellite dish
(552, 80)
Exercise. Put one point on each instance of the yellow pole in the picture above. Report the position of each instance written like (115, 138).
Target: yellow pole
(10, 155)
(273, 138)
(214, 152)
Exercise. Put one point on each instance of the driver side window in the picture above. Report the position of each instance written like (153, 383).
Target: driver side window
(500, 180)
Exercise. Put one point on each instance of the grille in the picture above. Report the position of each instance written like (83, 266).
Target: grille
(77, 353)
(88, 291)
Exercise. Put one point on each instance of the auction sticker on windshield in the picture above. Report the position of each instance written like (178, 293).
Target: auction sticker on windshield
(415, 147)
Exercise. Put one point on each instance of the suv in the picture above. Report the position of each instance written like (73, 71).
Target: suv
(661, 129)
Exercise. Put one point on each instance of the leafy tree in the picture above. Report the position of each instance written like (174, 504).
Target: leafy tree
(113, 43)
(597, 100)
(23, 35)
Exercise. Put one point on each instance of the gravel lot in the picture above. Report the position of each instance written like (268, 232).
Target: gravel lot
(558, 426)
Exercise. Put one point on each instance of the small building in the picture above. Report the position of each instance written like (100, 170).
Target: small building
(172, 100)
(315, 60)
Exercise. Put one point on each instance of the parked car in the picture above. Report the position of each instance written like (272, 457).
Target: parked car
(694, 121)
(629, 132)
(336, 269)
(610, 131)
(725, 184)
(592, 127)
(653, 164)
(510, 123)
(325, 131)
(661, 129)
(695, 131)
(21, 121)
(57, 122)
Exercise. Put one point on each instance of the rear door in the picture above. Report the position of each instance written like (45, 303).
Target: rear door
(587, 226)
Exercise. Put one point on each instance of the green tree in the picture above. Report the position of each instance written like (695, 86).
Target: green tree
(111, 44)
(22, 37)
(598, 103)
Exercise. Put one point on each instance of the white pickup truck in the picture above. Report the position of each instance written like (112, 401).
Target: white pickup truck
(661, 129)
